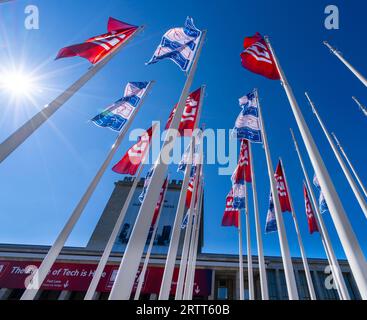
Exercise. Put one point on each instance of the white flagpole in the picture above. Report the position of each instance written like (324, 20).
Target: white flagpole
(361, 106)
(175, 238)
(347, 64)
(25, 131)
(347, 173)
(334, 264)
(240, 255)
(193, 268)
(260, 252)
(284, 247)
(149, 251)
(345, 231)
(41, 273)
(250, 275)
(350, 164)
(107, 251)
(311, 288)
(130, 262)
(182, 275)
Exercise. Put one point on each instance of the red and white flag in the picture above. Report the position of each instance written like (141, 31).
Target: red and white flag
(282, 188)
(97, 48)
(131, 161)
(231, 215)
(257, 57)
(311, 219)
(189, 115)
(159, 203)
(195, 170)
(243, 170)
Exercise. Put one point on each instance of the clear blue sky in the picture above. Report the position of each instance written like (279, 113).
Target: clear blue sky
(44, 179)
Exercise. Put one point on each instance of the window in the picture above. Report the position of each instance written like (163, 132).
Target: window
(349, 282)
(329, 293)
(222, 293)
(16, 294)
(283, 286)
(303, 286)
(49, 295)
(77, 295)
(272, 283)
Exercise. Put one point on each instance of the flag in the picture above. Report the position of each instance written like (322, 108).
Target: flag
(282, 188)
(190, 187)
(159, 203)
(179, 45)
(97, 48)
(248, 123)
(231, 215)
(146, 183)
(271, 221)
(131, 161)
(312, 224)
(117, 115)
(196, 155)
(322, 202)
(243, 170)
(257, 57)
(189, 116)
(239, 196)
(185, 221)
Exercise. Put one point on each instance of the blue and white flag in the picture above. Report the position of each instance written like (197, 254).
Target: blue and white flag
(118, 114)
(179, 45)
(271, 221)
(322, 202)
(239, 196)
(146, 184)
(185, 221)
(248, 122)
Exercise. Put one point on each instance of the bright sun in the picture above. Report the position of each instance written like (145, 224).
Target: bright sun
(17, 83)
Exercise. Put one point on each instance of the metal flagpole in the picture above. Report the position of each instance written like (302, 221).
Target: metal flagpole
(347, 173)
(192, 275)
(347, 64)
(361, 106)
(130, 262)
(350, 164)
(182, 275)
(311, 288)
(346, 234)
(107, 251)
(149, 251)
(284, 247)
(25, 131)
(334, 264)
(41, 273)
(240, 255)
(175, 238)
(193, 247)
(250, 275)
(260, 253)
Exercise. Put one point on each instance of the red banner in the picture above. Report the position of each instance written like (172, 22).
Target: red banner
(77, 277)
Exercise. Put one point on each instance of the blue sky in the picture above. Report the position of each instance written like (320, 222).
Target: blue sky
(44, 179)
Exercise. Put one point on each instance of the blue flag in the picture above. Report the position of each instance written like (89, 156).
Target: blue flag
(239, 196)
(179, 45)
(271, 221)
(117, 115)
(146, 184)
(322, 202)
(248, 122)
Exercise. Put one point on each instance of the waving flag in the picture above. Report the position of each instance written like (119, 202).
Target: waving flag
(312, 224)
(322, 202)
(283, 194)
(243, 170)
(248, 123)
(190, 188)
(146, 184)
(257, 57)
(231, 215)
(179, 45)
(239, 196)
(97, 48)
(117, 115)
(131, 161)
(271, 222)
(185, 221)
(159, 203)
(196, 156)
(189, 116)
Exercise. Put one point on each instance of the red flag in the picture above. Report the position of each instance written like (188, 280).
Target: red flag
(230, 218)
(282, 189)
(97, 48)
(131, 161)
(257, 57)
(189, 115)
(243, 170)
(190, 188)
(312, 224)
(159, 203)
